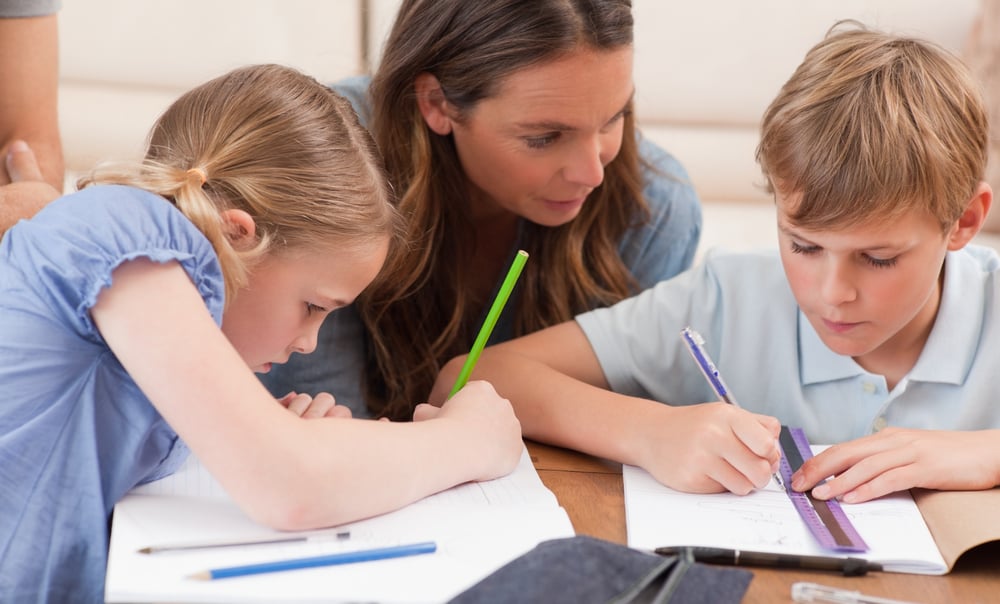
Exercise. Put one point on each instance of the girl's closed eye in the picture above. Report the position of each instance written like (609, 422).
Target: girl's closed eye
(313, 308)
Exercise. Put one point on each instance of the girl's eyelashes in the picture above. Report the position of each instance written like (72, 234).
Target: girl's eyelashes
(313, 308)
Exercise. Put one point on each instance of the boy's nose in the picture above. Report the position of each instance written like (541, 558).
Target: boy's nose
(837, 287)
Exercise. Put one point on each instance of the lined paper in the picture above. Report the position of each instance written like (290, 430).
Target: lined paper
(767, 521)
(478, 527)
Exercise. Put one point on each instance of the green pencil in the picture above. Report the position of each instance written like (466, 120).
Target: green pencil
(491, 319)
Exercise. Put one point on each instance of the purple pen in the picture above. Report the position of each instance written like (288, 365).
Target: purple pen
(695, 344)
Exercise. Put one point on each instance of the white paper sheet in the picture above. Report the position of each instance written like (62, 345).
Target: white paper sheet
(766, 521)
(478, 527)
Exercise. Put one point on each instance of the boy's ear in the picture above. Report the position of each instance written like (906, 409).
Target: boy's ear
(240, 227)
(972, 219)
(432, 104)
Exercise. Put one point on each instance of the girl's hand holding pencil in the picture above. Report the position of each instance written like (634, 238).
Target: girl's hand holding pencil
(489, 419)
(487, 428)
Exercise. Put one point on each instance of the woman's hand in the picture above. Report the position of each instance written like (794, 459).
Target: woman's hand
(311, 407)
(897, 459)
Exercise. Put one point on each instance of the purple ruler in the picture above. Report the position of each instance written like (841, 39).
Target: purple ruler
(826, 519)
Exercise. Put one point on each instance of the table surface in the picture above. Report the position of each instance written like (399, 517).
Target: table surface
(590, 490)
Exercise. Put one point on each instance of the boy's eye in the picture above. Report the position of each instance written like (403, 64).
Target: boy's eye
(880, 262)
(804, 249)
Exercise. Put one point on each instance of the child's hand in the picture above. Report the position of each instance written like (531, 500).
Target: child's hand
(897, 459)
(309, 407)
(486, 422)
(711, 447)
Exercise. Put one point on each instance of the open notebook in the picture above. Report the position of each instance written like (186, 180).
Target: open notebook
(923, 533)
(478, 527)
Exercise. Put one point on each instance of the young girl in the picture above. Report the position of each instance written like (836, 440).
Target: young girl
(261, 207)
(505, 124)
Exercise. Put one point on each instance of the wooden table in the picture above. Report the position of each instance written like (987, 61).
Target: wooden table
(590, 489)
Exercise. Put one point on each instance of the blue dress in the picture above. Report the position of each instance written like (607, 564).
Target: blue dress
(657, 250)
(76, 433)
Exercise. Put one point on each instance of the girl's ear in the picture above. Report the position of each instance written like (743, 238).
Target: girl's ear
(972, 219)
(432, 104)
(240, 228)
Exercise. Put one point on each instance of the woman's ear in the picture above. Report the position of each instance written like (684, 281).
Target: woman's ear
(240, 227)
(972, 219)
(432, 103)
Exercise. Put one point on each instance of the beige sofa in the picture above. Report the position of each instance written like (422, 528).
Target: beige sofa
(705, 70)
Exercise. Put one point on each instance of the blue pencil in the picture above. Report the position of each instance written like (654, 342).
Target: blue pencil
(379, 553)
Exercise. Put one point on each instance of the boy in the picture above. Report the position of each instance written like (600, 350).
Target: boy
(876, 334)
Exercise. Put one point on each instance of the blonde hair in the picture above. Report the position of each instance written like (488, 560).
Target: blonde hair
(277, 144)
(872, 126)
(471, 47)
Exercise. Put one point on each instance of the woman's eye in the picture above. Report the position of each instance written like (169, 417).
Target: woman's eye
(619, 118)
(540, 142)
(312, 308)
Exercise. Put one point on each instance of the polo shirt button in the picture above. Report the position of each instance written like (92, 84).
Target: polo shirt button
(868, 387)
(879, 424)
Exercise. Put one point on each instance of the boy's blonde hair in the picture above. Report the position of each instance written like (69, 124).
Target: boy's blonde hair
(277, 144)
(872, 126)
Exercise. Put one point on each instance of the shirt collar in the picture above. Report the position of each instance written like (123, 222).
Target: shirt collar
(950, 349)
(952, 345)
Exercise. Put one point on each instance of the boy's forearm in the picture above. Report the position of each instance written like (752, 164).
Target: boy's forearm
(557, 409)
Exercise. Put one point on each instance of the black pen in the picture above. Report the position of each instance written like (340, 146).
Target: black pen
(849, 567)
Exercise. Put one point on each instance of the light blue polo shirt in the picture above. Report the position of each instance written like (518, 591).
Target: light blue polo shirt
(775, 363)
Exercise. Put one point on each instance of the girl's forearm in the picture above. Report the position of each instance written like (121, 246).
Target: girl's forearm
(331, 471)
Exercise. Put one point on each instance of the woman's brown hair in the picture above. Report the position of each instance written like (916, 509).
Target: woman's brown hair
(420, 313)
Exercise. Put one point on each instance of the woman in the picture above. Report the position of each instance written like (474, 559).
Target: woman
(505, 124)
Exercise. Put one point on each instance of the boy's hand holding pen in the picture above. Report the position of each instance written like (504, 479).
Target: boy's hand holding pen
(695, 344)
